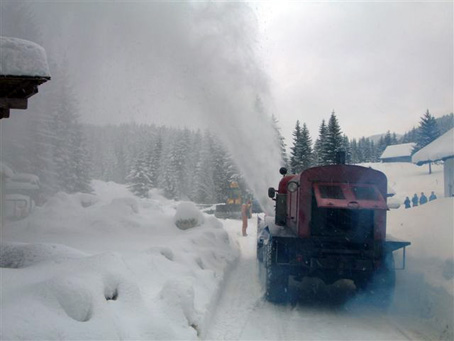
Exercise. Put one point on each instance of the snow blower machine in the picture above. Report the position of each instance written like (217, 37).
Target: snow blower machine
(330, 223)
(232, 207)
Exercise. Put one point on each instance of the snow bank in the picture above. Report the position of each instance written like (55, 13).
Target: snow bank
(22, 58)
(425, 289)
(188, 216)
(110, 266)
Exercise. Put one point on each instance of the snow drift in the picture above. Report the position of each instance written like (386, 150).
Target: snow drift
(110, 266)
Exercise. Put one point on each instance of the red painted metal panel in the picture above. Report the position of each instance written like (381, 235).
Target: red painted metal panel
(349, 196)
(345, 174)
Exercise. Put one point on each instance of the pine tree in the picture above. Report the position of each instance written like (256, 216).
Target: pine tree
(41, 149)
(410, 136)
(305, 149)
(333, 140)
(445, 123)
(223, 170)
(346, 148)
(354, 151)
(194, 164)
(428, 131)
(154, 159)
(72, 166)
(138, 180)
(320, 148)
(302, 154)
(167, 179)
(368, 151)
(81, 163)
(394, 139)
(204, 182)
(295, 150)
(374, 153)
(387, 139)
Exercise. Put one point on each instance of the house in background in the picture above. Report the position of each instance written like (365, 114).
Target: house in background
(441, 149)
(398, 153)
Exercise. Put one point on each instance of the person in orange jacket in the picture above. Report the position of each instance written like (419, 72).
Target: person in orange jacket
(245, 212)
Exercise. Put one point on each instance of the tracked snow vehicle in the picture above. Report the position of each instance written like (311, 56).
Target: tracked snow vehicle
(330, 223)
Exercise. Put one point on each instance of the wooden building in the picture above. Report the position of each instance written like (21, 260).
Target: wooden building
(398, 153)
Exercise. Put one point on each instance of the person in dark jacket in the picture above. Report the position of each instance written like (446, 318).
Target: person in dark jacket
(415, 200)
(407, 202)
(432, 196)
(423, 199)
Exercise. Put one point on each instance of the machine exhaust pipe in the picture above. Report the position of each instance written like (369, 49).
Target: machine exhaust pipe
(340, 157)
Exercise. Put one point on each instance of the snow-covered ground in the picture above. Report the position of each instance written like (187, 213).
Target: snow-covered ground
(112, 266)
(425, 288)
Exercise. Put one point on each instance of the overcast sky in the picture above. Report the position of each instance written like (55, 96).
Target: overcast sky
(379, 65)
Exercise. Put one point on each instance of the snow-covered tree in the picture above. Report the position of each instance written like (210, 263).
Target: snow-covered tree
(204, 183)
(428, 131)
(346, 148)
(301, 157)
(306, 148)
(409, 136)
(320, 148)
(72, 166)
(334, 140)
(223, 170)
(80, 161)
(445, 123)
(295, 150)
(154, 159)
(194, 164)
(178, 163)
(139, 181)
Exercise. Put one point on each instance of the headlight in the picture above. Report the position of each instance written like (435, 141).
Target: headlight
(292, 186)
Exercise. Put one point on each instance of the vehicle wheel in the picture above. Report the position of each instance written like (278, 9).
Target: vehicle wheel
(276, 279)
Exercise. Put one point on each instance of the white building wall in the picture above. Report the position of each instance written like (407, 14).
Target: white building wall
(448, 170)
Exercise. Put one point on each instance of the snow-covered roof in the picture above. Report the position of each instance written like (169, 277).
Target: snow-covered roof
(439, 149)
(398, 150)
(22, 58)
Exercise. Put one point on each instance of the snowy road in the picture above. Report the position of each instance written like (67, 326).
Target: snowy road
(316, 312)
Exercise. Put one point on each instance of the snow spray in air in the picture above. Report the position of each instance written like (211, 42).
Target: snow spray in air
(233, 95)
(189, 64)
